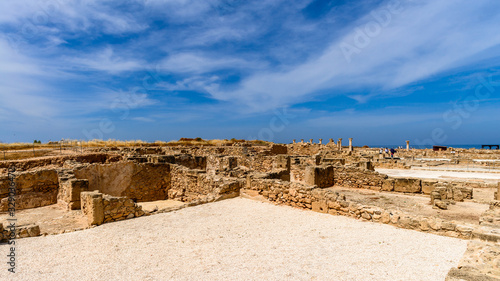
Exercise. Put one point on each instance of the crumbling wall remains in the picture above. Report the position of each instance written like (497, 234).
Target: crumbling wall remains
(33, 189)
(196, 185)
(101, 208)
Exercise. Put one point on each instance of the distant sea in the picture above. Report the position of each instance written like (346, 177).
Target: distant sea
(466, 146)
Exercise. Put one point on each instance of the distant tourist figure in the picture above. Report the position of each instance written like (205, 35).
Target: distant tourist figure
(380, 151)
(386, 150)
(392, 152)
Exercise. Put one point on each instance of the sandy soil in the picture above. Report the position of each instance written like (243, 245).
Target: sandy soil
(442, 175)
(237, 239)
(51, 219)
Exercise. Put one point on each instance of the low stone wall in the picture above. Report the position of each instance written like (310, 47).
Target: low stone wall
(196, 185)
(492, 216)
(327, 201)
(480, 262)
(33, 189)
(21, 231)
(100, 208)
(59, 160)
(355, 177)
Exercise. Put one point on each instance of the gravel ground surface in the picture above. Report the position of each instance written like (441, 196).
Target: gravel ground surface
(236, 239)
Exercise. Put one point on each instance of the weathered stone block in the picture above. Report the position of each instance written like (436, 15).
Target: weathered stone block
(320, 206)
(428, 186)
(408, 185)
(93, 207)
(388, 185)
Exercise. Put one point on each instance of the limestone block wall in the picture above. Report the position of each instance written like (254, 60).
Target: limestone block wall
(101, 208)
(320, 176)
(278, 149)
(217, 164)
(34, 189)
(335, 203)
(59, 160)
(480, 262)
(298, 165)
(191, 162)
(21, 231)
(138, 181)
(69, 193)
(356, 177)
(492, 216)
(196, 185)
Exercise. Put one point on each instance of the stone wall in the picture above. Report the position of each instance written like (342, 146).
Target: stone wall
(100, 208)
(491, 217)
(445, 193)
(480, 262)
(69, 193)
(138, 181)
(355, 177)
(196, 185)
(217, 164)
(34, 189)
(59, 160)
(320, 176)
(335, 203)
(21, 231)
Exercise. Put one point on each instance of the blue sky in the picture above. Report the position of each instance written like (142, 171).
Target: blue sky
(381, 72)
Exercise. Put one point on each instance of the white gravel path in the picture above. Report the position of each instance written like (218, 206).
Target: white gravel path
(237, 239)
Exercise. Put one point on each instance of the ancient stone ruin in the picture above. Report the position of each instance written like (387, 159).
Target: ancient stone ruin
(111, 184)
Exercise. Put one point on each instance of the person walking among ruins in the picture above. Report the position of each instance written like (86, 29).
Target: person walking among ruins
(392, 152)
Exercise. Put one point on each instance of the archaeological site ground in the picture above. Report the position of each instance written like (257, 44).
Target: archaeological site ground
(250, 210)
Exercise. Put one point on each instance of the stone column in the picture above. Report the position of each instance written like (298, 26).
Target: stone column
(320, 141)
(350, 144)
(498, 192)
(407, 145)
(339, 144)
(293, 141)
(310, 141)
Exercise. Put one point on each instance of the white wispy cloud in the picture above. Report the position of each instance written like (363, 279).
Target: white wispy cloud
(194, 63)
(106, 60)
(425, 39)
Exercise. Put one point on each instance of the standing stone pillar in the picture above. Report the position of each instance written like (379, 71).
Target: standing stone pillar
(320, 141)
(310, 141)
(294, 141)
(498, 192)
(339, 144)
(350, 144)
(407, 145)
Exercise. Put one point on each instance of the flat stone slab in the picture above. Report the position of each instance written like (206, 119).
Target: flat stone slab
(161, 206)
